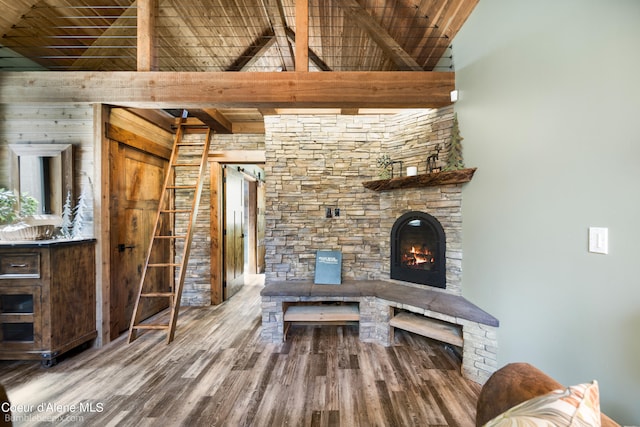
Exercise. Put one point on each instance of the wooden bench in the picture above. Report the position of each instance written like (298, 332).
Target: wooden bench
(321, 314)
(428, 327)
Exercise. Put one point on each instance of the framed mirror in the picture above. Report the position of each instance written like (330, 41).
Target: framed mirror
(45, 172)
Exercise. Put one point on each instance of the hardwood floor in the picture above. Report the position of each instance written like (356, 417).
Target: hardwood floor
(217, 372)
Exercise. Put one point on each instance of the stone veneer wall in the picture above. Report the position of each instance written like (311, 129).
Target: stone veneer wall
(197, 286)
(415, 135)
(319, 162)
(315, 162)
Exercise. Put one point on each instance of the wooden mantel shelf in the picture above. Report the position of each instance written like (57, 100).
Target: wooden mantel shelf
(426, 180)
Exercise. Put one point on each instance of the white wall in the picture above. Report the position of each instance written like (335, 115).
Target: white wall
(550, 112)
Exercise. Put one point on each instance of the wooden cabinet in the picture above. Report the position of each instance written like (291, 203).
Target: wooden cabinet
(47, 298)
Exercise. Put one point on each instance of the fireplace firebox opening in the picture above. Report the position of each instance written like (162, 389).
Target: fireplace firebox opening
(418, 250)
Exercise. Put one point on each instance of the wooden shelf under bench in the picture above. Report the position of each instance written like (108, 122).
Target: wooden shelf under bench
(428, 327)
(320, 314)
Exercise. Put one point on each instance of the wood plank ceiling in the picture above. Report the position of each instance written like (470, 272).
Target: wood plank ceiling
(230, 35)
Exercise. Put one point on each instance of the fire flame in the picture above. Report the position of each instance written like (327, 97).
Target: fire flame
(418, 256)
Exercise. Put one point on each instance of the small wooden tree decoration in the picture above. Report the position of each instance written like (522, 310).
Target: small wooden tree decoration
(454, 158)
(67, 223)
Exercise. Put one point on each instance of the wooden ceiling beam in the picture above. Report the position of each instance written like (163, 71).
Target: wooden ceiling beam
(213, 119)
(254, 127)
(238, 156)
(353, 89)
(279, 24)
(146, 52)
(312, 55)
(253, 53)
(389, 46)
(460, 11)
(161, 118)
(302, 38)
(138, 141)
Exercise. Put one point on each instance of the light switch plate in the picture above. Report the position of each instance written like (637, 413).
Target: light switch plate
(599, 240)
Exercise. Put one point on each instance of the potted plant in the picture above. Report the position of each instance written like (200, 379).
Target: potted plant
(13, 216)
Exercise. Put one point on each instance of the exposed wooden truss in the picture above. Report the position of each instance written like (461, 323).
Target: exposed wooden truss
(205, 35)
(364, 20)
(117, 37)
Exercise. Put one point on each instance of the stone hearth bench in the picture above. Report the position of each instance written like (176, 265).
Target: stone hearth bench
(381, 307)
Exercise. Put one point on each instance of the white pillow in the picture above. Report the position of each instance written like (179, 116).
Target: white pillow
(575, 406)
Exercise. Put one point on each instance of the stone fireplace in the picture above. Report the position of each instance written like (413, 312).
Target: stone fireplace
(418, 250)
(319, 163)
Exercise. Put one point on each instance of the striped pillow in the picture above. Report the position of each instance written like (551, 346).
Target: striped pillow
(575, 406)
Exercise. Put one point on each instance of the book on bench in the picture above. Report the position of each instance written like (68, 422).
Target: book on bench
(328, 268)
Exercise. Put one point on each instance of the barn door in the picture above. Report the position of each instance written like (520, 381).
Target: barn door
(136, 187)
(255, 220)
(234, 233)
(260, 228)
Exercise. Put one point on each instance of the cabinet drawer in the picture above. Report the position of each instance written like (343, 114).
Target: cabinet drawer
(17, 332)
(16, 303)
(20, 317)
(20, 265)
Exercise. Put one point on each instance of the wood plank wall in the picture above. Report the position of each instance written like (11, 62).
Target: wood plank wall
(52, 124)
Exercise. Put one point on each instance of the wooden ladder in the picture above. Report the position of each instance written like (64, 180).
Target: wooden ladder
(181, 162)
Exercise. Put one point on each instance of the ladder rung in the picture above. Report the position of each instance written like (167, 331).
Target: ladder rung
(151, 326)
(176, 211)
(169, 237)
(166, 264)
(157, 294)
(180, 187)
(191, 144)
(186, 165)
(193, 126)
